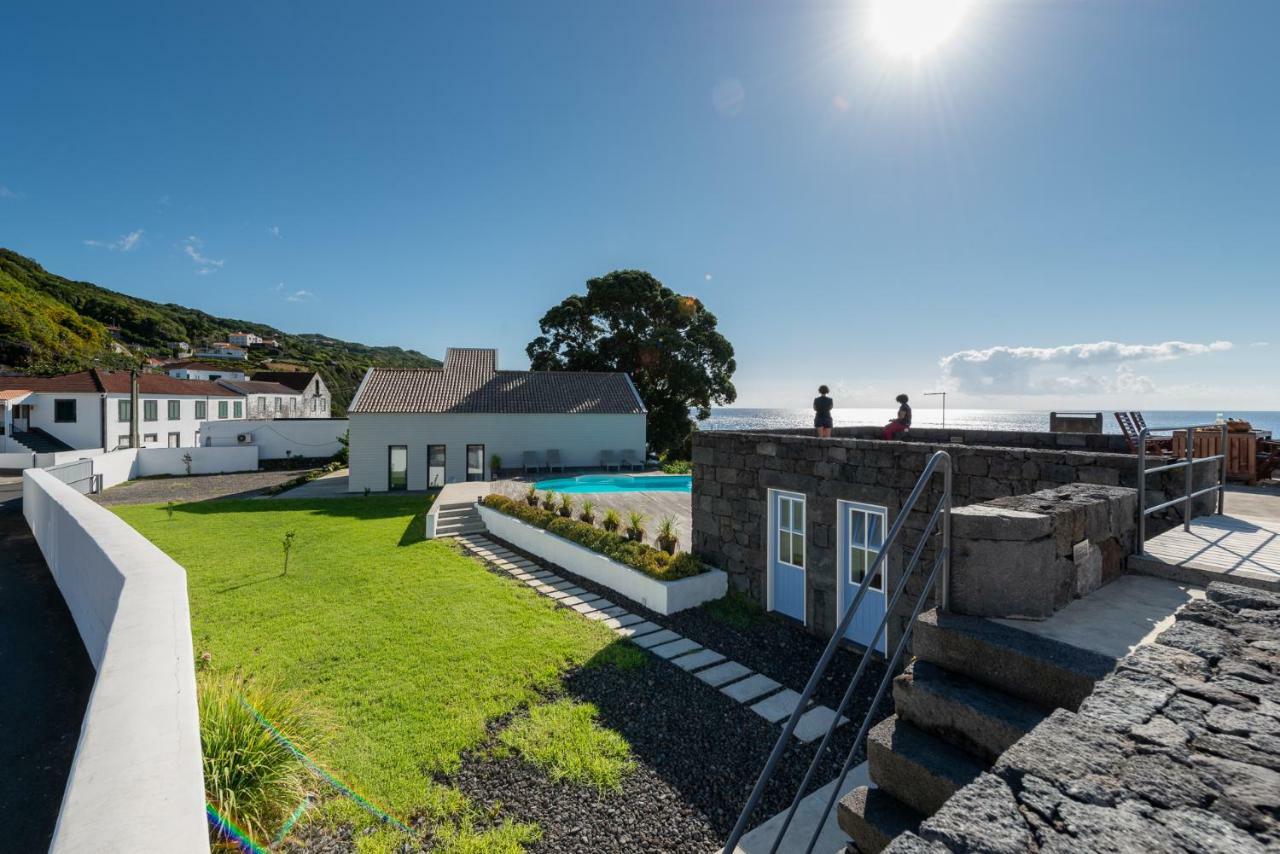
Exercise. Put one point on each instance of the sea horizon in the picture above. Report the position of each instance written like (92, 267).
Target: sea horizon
(764, 418)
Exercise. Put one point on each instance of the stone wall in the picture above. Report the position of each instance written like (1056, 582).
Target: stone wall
(1177, 750)
(1111, 443)
(733, 472)
(1029, 555)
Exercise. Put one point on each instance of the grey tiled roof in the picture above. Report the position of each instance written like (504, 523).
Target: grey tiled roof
(471, 382)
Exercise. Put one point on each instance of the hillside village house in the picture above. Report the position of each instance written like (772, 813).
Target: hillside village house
(316, 400)
(92, 409)
(415, 428)
(244, 339)
(210, 371)
(222, 350)
(277, 400)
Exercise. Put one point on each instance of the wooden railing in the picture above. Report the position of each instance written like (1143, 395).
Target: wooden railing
(1242, 451)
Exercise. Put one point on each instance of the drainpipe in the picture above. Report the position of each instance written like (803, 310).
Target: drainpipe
(133, 410)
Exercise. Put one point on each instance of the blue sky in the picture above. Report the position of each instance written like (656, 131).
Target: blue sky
(1054, 176)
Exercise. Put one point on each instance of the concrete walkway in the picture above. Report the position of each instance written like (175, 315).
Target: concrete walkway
(331, 485)
(767, 698)
(832, 839)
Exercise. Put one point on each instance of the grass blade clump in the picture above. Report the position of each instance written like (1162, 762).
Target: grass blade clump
(564, 739)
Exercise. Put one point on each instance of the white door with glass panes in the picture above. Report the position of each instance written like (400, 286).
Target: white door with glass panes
(861, 530)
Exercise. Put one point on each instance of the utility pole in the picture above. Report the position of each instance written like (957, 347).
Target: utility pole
(944, 404)
(133, 409)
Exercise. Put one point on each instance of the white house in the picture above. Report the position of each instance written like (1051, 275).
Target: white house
(209, 371)
(316, 399)
(267, 399)
(222, 350)
(244, 339)
(415, 428)
(92, 409)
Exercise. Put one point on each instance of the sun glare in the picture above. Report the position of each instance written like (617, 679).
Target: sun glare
(913, 28)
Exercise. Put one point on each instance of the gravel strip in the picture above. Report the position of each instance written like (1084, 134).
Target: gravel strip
(205, 487)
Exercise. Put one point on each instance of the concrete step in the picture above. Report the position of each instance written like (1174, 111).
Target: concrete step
(1046, 672)
(872, 818)
(450, 512)
(1202, 576)
(919, 770)
(977, 719)
(457, 530)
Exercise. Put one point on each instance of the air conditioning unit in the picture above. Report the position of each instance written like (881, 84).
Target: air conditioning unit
(244, 438)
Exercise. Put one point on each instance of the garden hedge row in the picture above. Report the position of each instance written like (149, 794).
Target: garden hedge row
(639, 556)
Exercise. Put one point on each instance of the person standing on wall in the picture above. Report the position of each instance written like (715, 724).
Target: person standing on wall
(902, 422)
(822, 413)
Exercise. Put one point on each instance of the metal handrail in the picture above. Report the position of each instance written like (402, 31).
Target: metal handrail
(940, 519)
(1189, 462)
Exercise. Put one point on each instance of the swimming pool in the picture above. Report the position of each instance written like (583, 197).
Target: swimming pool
(619, 483)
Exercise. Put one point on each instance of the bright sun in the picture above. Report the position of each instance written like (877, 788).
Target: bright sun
(913, 28)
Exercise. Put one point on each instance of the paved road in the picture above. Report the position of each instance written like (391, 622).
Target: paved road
(46, 678)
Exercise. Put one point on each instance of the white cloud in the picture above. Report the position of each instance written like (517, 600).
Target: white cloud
(275, 231)
(1068, 369)
(1260, 344)
(300, 296)
(6, 193)
(204, 265)
(124, 243)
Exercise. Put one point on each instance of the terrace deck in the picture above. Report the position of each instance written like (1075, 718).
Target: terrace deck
(1234, 548)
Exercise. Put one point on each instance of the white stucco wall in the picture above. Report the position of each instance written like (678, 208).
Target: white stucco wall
(85, 432)
(579, 438)
(187, 426)
(279, 438)
(136, 782)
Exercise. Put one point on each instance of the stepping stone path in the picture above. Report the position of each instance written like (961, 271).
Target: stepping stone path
(758, 692)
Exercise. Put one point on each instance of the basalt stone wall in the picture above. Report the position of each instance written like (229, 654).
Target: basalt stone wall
(1029, 555)
(1112, 443)
(734, 470)
(1177, 750)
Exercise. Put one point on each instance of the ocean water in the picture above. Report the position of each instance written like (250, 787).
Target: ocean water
(978, 419)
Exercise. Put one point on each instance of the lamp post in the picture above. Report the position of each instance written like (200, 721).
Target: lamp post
(944, 404)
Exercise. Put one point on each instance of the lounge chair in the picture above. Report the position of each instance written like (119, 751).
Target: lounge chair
(531, 461)
(629, 460)
(1158, 445)
(608, 460)
(553, 460)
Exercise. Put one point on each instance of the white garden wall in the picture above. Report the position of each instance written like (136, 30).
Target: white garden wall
(278, 438)
(154, 461)
(665, 597)
(136, 782)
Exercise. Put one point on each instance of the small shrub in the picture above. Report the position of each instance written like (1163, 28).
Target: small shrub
(668, 534)
(588, 514)
(735, 609)
(343, 457)
(531, 495)
(495, 465)
(635, 525)
(677, 467)
(186, 462)
(287, 545)
(548, 500)
(566, 506)
(612, 521)
(169, 508)
(250, 777)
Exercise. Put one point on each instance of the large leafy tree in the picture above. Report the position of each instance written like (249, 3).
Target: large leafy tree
(668, 343)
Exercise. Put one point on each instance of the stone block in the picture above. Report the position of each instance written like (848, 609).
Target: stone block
(1088, 568)
(985, 522)
(1005, 578)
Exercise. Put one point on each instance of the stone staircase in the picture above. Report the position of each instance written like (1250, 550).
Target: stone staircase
(974, 689)
(38, 441)
(458, 519)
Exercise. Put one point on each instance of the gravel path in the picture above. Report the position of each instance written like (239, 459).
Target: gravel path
(196, 488)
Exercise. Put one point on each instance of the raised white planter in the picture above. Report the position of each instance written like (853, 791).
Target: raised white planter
(665, 597)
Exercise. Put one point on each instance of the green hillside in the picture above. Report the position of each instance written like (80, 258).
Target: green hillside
(49, 324)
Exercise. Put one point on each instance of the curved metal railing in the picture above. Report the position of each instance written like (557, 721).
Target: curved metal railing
(939, 521)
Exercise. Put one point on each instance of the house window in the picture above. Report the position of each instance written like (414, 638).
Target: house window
(64, 411)
(475, 462)
(866, 538)
(213, 377)
(202, 409)
(175, 440)
(148, 437)
(791, 531)
(150, 410)
(397, 467)
(324, 404)
(222, 409)
(175, 410)
(123, 441)
(238, 406)
(279, 405)
(124, 411)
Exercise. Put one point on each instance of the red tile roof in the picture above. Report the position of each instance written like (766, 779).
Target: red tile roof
(117, 382)
(470, 382)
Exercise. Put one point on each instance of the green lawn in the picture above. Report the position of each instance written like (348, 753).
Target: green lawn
(405, 644)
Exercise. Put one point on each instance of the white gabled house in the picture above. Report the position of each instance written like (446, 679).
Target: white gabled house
(92, 409)
(420, 428)
(210, 371)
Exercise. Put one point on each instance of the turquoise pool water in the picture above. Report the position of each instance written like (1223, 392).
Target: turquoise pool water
(619, 483)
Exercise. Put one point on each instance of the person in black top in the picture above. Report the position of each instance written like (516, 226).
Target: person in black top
(902, 422)
(822, 413)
